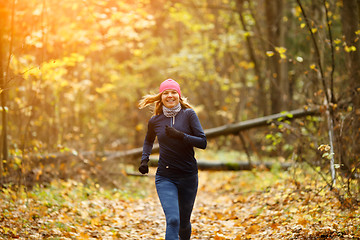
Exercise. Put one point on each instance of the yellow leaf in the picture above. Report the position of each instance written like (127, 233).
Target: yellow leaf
(280, 49)
(337, 41)
(269, 53)
(350, 49)
(17, 161)
(274, 225)
(253, 229)
(312, 66)
(303, 221)
(302, 25)
(84, 235)
(13, 196)
(247, 34)
(246, 65)
(139, 127)
(95, 221)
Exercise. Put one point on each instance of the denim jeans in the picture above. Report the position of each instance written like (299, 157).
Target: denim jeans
(177, 197)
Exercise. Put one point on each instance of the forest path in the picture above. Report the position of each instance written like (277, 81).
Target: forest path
(148, 220)
(229, 206)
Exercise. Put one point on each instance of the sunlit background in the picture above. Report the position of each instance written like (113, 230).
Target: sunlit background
(74, 71)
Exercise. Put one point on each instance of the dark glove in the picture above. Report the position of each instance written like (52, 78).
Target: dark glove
(144, 167)
(172, 132)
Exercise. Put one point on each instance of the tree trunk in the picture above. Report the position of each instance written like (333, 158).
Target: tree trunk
(283, 71)
(257, 68)
(4, 143)
(274, 13)
(350, 24)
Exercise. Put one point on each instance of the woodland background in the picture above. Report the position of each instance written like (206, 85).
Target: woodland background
(73, 71)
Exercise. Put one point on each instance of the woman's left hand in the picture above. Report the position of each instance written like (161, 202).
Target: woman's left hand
(172, 132)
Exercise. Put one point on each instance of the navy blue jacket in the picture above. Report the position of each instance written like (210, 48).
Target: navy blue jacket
(177, 157)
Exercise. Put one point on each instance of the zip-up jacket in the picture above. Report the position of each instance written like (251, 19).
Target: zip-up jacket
(177, 157)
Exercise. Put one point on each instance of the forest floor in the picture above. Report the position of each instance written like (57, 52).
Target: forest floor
(229, 205)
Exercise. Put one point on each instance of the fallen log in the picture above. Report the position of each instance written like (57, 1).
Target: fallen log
(231, 166)
(222, 166)
(258, 122)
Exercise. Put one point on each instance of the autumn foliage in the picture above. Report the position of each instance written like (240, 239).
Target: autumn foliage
(244, 205)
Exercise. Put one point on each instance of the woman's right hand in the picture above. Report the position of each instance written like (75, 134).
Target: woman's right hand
(144, 167)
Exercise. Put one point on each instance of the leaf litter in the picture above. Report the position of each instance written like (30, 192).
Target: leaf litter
(229, 205)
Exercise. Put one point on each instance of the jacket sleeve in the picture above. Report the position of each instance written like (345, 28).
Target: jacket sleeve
(198, 138)
(148, 142)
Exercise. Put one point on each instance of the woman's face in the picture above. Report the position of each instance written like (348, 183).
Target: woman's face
(170, 98)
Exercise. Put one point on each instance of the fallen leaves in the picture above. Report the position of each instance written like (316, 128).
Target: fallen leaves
(229, 206)
(284, 211)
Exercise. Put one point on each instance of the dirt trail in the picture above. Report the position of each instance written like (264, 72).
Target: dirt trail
(147, 220)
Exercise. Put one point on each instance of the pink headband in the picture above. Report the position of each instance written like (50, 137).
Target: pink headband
(170, 84)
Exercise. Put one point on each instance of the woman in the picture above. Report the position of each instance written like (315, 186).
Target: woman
(178, 130)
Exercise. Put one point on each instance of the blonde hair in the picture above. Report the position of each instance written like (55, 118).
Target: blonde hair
(156, 99)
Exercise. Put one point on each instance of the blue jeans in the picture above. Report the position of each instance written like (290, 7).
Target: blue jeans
(177, 197)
